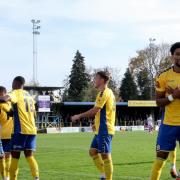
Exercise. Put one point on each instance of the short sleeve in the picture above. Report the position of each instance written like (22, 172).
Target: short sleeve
(102, 99)
(161, 83)
(6, 107)
(13, 97)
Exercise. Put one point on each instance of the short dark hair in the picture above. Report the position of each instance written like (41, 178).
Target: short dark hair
(3, 89)
(20, 80)
(174, 47)
(104, 75)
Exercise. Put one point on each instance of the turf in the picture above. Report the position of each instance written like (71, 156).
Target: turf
(65, 156)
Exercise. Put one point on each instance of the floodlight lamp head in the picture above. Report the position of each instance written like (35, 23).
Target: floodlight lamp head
(152, 39)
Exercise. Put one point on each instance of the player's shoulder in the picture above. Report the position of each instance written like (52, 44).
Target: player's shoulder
(109, 92)
(6, 106)
(166, 71)
(13, 93)
(104, 92)
(1, 105)
(26, 93)
(16, 91)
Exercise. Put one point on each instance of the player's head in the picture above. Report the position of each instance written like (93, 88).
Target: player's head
(101, 79)
(2, 91)
(175, 53)
(18, 82)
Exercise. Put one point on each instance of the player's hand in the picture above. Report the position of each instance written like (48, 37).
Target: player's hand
(176, 93)
(75, 118)
(169, 90)
(93, 127)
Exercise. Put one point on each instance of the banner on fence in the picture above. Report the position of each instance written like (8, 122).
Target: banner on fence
(44, 103)
(89, 129)
(142, 103)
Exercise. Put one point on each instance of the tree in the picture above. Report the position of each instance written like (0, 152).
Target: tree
(65, 90)
(154, 59)
(78, 79)
(143, 82)
(128, 89)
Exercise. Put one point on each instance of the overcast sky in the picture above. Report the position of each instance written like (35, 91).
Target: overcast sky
(106, 32)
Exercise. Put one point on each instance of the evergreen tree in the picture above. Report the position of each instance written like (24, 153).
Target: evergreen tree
(143, 82)
(128, 89)
(78, 79)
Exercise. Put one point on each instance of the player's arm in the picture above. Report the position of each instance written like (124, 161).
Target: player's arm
(34, 108)
(176, 93)
(5, 99)
(161, 99)
(162, 90)
(10, 113)
(91, 113)
(100, 102)
(7, 108)
(88, 114)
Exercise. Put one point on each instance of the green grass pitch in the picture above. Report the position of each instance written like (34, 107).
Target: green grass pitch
(65, 156)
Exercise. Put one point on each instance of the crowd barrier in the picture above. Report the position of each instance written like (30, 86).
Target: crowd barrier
(89, 129)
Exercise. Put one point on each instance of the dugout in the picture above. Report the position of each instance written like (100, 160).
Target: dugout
(128, 113)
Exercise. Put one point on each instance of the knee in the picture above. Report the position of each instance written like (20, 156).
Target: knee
(92, 152)
(15, 155)
(105, 156)
(28, 153)
(7, 155)
(162, 154)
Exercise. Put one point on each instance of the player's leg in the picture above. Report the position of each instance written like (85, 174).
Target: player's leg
(166, 142)
(7, 164)
(158, 165)
(2, 161)
(108, 165)
(105, 150)
(150, 128)
(178, 139)
(7, 151)
(2, 167)
(17, 145)
(14, 165)
(97, 159)
(172, 158)
(30, 147)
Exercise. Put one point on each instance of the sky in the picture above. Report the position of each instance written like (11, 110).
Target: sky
(106, 32)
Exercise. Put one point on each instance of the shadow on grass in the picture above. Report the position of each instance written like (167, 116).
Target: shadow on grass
(133, 163)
